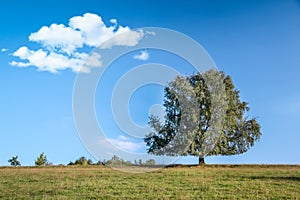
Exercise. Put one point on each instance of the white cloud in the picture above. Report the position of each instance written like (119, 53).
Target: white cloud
(23, 53)
(58, 37)
(93, 29)
(94, 60)
(4, 50)
(144, 55)
(124, 37)
(95, 33)
(121, 137)
(52, 62)
(62, 45)
(113, 21)
(124, 143)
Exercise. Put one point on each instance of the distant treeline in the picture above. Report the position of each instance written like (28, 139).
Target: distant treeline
(114, 161)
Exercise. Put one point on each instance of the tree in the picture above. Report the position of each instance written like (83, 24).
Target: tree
(101, 162)
(116, 161)
(150, 162)
(14, 161)
(89, 162)
(204, 117)
(81, 161)
(41, 160)
(140, 162)
(71, 163)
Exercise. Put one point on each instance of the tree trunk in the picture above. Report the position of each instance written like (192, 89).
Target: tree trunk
(201, 160)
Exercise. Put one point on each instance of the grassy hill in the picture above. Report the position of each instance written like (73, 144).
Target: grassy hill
(178, 182)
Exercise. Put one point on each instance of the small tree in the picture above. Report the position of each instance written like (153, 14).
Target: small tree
(150, 162)
(89, 162)
(71, 163)
(140, 162)
(14, 161)
(101, 162)
(41, 160)
(116, 161)
(81, 161)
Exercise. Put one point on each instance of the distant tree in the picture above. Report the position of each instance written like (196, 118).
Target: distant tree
(127, 163)
(89, 162)
(140, 162)
(81, 161)
(102, 162)
(14, 161)
(191, 132)
(150, 162)
(71, 163)
(49, 164)
(116, 161)
(41, 160)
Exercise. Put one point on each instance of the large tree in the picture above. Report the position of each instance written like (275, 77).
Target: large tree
(204, 117)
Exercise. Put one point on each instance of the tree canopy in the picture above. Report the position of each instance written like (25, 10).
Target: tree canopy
(204, 117)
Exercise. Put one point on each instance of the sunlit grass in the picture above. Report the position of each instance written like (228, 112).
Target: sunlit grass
(208, 182)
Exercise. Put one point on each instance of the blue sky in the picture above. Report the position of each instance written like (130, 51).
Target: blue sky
(256, 42)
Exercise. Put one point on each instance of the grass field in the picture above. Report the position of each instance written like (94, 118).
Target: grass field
(189, 182)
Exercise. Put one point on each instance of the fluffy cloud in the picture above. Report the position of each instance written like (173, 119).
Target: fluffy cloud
(4, 50)
(144, 55)
(96, 34)
(94, 31)
(62, 46)
(125, 144)
(124, 37)
(53, 62)
(58, 37)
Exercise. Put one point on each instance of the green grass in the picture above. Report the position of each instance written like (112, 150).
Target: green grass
(208, 182)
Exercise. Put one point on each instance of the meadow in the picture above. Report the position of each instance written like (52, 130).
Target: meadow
(179, 182)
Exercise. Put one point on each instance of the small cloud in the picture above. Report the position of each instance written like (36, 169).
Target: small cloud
(123, 37)
(113, 21)
(123, 138)
(124, 143)
(4, 50)
(150, 33)
(144, 55)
